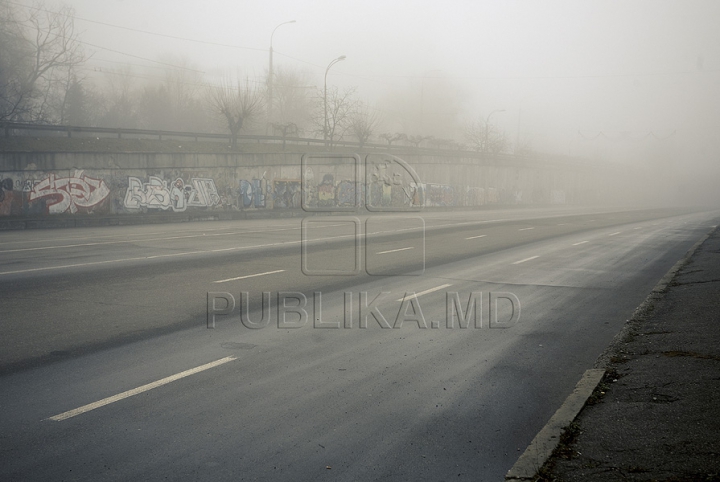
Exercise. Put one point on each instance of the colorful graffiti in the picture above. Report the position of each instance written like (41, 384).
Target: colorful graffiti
(349, 194)
(326, 191)
(286, 193)
(157, 194)
(70, 193)
(440, 195)
(475, 196)
(252, 193)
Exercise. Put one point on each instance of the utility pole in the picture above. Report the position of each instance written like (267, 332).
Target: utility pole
(270, 78)
(326, 127)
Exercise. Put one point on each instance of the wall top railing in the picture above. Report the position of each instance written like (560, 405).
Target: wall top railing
(10, 129)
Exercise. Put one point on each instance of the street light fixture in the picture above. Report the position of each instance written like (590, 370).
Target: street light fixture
(270, 73)
(487, 124)
(325, 128)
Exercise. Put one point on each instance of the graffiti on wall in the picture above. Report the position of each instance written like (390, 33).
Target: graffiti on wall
(493, 195)
(326, 191)
(440, 195)
(392, 183)
(286, 193)
(475, 196)
(5, 185)
(178, 196)
(349, 194)
(68, 194)
(252, 193)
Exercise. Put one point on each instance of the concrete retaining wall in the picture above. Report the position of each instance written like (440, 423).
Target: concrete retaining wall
(47, 184)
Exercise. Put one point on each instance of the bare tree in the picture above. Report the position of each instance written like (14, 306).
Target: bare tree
(363, 122)
(37, 55)
(340, 108)
(390, 138)
(417, 140)
(485, 138)
(285, 129)
(239, 105)
(15, 63)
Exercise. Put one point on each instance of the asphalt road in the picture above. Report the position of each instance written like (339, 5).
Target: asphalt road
(89, 314)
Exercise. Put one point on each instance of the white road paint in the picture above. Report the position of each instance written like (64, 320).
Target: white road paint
(613, 234)
(639, 227)
(581, 242)
(249, 276)
(526, 259)
(141, 389)
(396, 250)
(475, 237)
(416, 295)
(525, 229)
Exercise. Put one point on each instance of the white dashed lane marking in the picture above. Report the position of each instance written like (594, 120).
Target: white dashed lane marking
(141, 389)
(526, 259)
(425, 292)
(250, 276)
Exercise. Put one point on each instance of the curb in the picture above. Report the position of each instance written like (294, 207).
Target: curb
(547, 439)
(545, 442)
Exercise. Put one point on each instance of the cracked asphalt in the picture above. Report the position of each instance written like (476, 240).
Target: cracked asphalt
(656, 414)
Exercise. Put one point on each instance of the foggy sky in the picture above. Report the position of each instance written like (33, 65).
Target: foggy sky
(563, 71)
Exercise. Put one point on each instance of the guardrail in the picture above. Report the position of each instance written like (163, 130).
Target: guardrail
(9, 129)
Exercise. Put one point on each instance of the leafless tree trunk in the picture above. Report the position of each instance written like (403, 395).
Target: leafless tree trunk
(390, 138)
(340, 107)
(363, 123)
(41, 48)
(238, 104)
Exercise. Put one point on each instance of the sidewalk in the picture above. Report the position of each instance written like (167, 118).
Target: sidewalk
(655, 416)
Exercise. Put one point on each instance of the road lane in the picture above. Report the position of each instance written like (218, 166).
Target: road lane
(373, 404)
(409, 403)
(110, 301)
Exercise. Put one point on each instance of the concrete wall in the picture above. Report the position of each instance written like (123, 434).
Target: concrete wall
(89, 183)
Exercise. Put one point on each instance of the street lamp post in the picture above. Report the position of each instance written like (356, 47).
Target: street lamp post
(487, 124)
(270, 74)
(325, 127)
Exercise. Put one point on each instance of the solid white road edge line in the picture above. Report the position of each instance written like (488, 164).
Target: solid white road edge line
(249, 276)
(526, 259)
(425, 292)
(144, 388)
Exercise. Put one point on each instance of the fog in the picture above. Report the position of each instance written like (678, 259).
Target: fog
(618, 82)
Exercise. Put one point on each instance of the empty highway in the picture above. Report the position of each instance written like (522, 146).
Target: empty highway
(126, 353)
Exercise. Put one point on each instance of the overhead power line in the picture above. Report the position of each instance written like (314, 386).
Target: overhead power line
(148, 32)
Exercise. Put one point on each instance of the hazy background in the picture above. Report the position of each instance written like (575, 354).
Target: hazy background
(634, 82)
